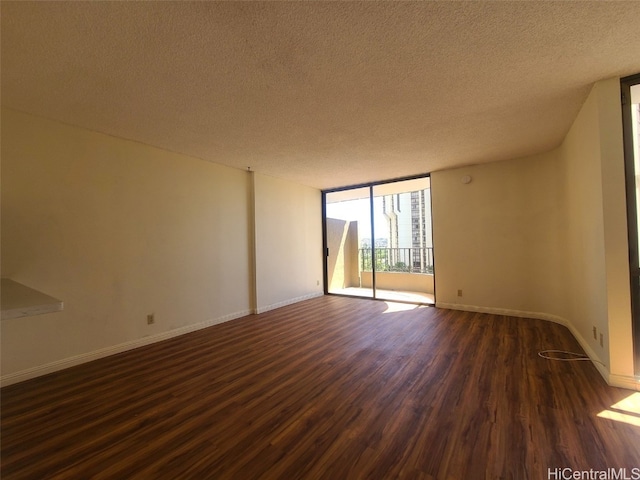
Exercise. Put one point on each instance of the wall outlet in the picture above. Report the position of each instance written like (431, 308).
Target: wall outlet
(601, 340)
(151, 319)
(595, 334)
(459, 293)
(317, 282)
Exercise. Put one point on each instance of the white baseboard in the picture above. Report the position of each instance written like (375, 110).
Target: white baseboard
(624, 381)
(40, 370)
(273, 306)
(613, 380)
(621, 381)
(112, 350)
(504, 311)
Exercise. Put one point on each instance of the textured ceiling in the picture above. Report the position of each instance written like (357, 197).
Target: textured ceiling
(322, 93)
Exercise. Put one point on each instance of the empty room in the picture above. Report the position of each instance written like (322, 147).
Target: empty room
(320, 240)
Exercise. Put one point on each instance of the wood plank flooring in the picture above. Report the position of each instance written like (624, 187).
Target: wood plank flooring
(330, 388)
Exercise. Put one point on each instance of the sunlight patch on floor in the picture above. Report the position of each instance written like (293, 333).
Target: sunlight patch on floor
(391, 295)
(626, 410)
(630, 404)
(393, 307)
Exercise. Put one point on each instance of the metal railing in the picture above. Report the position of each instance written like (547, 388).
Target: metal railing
(408, 260)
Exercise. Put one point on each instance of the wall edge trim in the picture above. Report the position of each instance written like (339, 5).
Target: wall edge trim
(624, 381)
(290, 301)
(612, 380)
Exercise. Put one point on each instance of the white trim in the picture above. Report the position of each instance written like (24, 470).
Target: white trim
(613, 380)
(112, 350)
(506, 311)
(291, 301)
(623, 381)
(603, 369)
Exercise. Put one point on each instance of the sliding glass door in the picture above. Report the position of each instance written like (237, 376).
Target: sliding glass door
(379, 243)
(348, 240)
(403, 248)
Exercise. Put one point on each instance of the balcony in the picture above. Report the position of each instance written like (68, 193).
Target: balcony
(400, 273)
(399, 260)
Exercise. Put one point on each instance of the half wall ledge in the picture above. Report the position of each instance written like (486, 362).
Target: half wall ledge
(18, 300)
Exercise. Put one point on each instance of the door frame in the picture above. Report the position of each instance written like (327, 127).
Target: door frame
(632, 214)
(325, 248)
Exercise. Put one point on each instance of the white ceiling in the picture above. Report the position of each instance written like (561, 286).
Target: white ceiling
(322, 93)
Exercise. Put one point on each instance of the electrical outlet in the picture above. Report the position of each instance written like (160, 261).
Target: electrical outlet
(317, 282)
(601, 340)
(595, 334)
(151, 319)
(459, 293)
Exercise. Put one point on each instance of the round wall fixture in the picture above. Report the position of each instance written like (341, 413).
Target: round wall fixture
(466, 179)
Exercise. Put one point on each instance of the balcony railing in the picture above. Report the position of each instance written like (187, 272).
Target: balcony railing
(408, 260)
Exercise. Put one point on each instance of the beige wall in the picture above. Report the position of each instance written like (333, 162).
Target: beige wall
(117, 230)
(412, 282)
(500, 239)
(342, 262)
(597, 253)
(545, 236)
(288, 239)
(337, 261)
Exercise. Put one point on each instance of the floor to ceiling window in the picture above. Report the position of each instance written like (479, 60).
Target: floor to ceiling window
(631, 121)
(378, 241)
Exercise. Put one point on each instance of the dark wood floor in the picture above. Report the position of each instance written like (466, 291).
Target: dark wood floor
(329, 388)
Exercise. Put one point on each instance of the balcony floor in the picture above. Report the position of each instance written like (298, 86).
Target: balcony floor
(393, 295)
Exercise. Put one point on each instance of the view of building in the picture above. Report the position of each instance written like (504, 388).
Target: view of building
(408, 217)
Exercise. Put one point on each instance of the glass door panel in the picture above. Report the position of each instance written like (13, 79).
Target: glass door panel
(631, 123)
(403, 247)
(348, 241)
(378, 241)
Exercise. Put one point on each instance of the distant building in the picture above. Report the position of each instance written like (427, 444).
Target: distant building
(409, 225)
